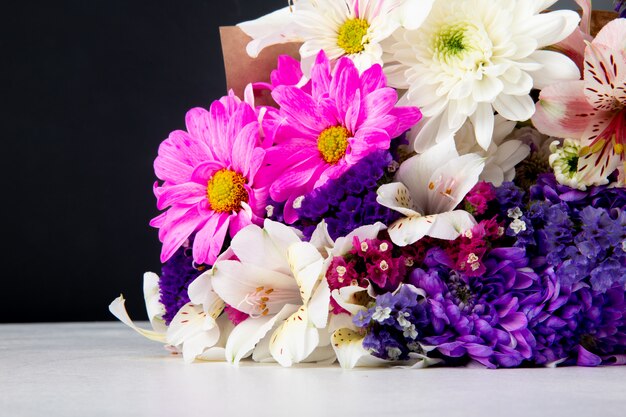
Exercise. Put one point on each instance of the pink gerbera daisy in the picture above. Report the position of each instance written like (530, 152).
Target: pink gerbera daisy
(343, 118)
(209, 179)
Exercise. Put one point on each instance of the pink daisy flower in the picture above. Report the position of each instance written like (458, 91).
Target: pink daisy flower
(209, 179)
(324, 132)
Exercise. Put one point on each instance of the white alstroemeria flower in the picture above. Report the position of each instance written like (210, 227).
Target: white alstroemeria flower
(502, 155)
(429, 188)
(192, 331)
(154, 309)
(353, 28)
(279, 281)
(471, 58)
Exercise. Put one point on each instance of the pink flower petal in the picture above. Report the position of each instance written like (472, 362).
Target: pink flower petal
(218, 136)
(367, 140)
(563, 110)
(300, 108)
(380, 102)
(179, 225)
(186, 193)
(295, 178)
(344, 84)
(178, 155)
(197, 122)
(605, 77)
(407, 118)
(244, 146)
(613, 35)
(203, 172)
(320, 76)
(372, 79)
(209, 240)
(288, 71)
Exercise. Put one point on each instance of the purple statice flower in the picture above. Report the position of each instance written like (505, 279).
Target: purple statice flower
(393, 324)
(509, 196)
(479, 318)
(578, 325)
(578, 233)
(176, 275)
(349, 201)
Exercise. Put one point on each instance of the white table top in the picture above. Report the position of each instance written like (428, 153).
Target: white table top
(105, 369)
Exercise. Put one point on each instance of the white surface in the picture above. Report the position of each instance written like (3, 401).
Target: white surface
(105, 369)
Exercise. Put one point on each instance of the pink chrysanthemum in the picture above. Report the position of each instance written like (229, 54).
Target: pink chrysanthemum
(323, 133)
(209, 179)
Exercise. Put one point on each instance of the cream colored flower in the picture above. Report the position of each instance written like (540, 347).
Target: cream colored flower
(473, 57)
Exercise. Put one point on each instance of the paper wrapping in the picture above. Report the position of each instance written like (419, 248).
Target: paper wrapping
(242, 70)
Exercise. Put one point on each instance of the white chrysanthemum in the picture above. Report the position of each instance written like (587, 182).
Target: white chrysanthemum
(471, 57)
(502, 155)
(564, 162)
(352, 28)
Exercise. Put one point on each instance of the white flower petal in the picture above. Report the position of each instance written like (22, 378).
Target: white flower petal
(348, 346)
(396, 197)
(347, 299)
(294, 339)
(201, 292)
(483, 121)
(307, 266)
(452, 224)
(249, 332)
(321, 239)
(235, 282)
(409, 230)
(319, 304)
(412, 13)
(556, 67)
(518, 108)
(118, 310)
(152, 297)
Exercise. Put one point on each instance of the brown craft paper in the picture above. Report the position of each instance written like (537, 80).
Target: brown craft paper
(599, 18)
(242, 70)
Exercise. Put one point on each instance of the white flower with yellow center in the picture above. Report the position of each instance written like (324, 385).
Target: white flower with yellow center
(473, 57)
(352, 28)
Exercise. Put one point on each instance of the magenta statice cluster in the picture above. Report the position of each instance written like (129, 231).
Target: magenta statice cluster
(377, 203)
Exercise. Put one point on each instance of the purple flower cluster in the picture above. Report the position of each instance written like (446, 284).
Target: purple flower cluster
(349, 201)
(176, 275)
(576, 242)
(579, 326)
(479, 318)
(581, 234)
(393, 324)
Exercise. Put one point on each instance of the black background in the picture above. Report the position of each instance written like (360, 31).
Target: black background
(90, 89)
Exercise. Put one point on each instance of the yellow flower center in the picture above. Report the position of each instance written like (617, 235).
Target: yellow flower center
(333, 143)
(351, 36)
(226, 191)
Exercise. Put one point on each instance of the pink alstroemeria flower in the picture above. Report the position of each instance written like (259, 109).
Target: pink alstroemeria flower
(592, 110)
(209, 179)
(344, 118)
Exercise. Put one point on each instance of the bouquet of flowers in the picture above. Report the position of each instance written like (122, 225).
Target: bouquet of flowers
(432, 182)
